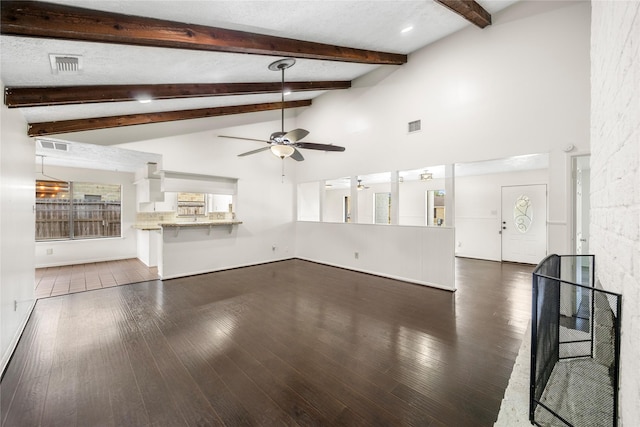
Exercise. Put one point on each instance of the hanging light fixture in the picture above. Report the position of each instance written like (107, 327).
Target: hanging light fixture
(426, 176)
(52, 187)
(282, 151)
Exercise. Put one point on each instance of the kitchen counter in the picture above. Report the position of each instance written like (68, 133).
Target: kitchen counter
(209, 224)
(199, 223)
(147, 227)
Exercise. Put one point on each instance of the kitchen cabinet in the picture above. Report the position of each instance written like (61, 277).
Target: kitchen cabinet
(148, 190)
(168, 204)
(149, 246)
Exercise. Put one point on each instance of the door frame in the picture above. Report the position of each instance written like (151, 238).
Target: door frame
(574, 203)
(546, 213)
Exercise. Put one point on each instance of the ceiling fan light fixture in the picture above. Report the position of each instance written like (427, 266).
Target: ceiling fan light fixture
(283, 144)
(282, 151)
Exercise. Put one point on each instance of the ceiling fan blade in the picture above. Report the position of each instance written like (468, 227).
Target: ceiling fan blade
(254, 151)
(323, 147)
(245, 139)
(297, 156)
(296, 134)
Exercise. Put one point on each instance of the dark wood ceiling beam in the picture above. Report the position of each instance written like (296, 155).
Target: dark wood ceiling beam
(469, 10)
(67, 95)
(68, 126)
(37, 19)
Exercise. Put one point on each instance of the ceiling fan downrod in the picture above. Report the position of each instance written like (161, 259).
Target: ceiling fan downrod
(281, 65)
(285, 144)
(282, 102)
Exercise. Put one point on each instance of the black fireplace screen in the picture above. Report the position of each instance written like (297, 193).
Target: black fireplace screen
(575, 345)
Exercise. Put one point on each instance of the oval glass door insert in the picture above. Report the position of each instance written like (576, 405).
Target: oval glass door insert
(523, 214)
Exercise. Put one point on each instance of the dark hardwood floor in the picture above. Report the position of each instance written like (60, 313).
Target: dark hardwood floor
(287, 343)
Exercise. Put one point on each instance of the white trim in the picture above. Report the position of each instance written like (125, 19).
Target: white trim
(11, 348)
(388, 276)
(85, 261)
(228, 267)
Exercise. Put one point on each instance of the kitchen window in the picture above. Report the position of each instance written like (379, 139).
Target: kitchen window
(192, 204)
(77, 210)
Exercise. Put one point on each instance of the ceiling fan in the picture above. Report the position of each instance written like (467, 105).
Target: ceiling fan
(361, 186)
(285, 144)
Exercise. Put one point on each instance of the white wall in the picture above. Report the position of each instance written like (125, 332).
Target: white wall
(412, 200)
(422, 255)
(412, 203)
(520, 86)
(615, 177)
(264, 203)
(478, 211)
(333, 207)
(308, 201)
(17, 228)
(366, 201)
(66, 252)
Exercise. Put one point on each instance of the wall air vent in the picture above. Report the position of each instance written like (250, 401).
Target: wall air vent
(53, 145)
(414, 126)
(65, 64)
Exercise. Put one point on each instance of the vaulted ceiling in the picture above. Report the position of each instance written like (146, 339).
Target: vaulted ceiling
(195, 60)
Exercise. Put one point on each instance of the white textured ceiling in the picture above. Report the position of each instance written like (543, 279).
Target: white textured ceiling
(370, 24)
(364, 24)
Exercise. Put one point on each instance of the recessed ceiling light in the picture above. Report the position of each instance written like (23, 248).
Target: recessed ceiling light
(407, 29)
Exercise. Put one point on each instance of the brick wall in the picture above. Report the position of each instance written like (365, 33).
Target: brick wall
(615, 176)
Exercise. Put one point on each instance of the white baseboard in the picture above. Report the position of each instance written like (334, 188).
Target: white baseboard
(6, 357)
(388, 276)
(84, 261)
(228, 267)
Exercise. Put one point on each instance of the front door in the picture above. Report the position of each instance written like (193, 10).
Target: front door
(524, 223)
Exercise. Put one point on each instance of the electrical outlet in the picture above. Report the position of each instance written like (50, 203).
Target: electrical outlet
(356, 255)
(49, 251)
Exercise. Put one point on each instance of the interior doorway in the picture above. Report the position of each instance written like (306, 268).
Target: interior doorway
(524, 223)
(581, 188)
(435, 207)
(581, 203)
(346, 209)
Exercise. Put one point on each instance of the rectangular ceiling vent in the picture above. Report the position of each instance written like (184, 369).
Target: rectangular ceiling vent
(65, 64)
(414, 126)
(52, 145)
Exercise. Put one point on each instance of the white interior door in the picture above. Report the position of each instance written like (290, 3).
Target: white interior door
(524, 223)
